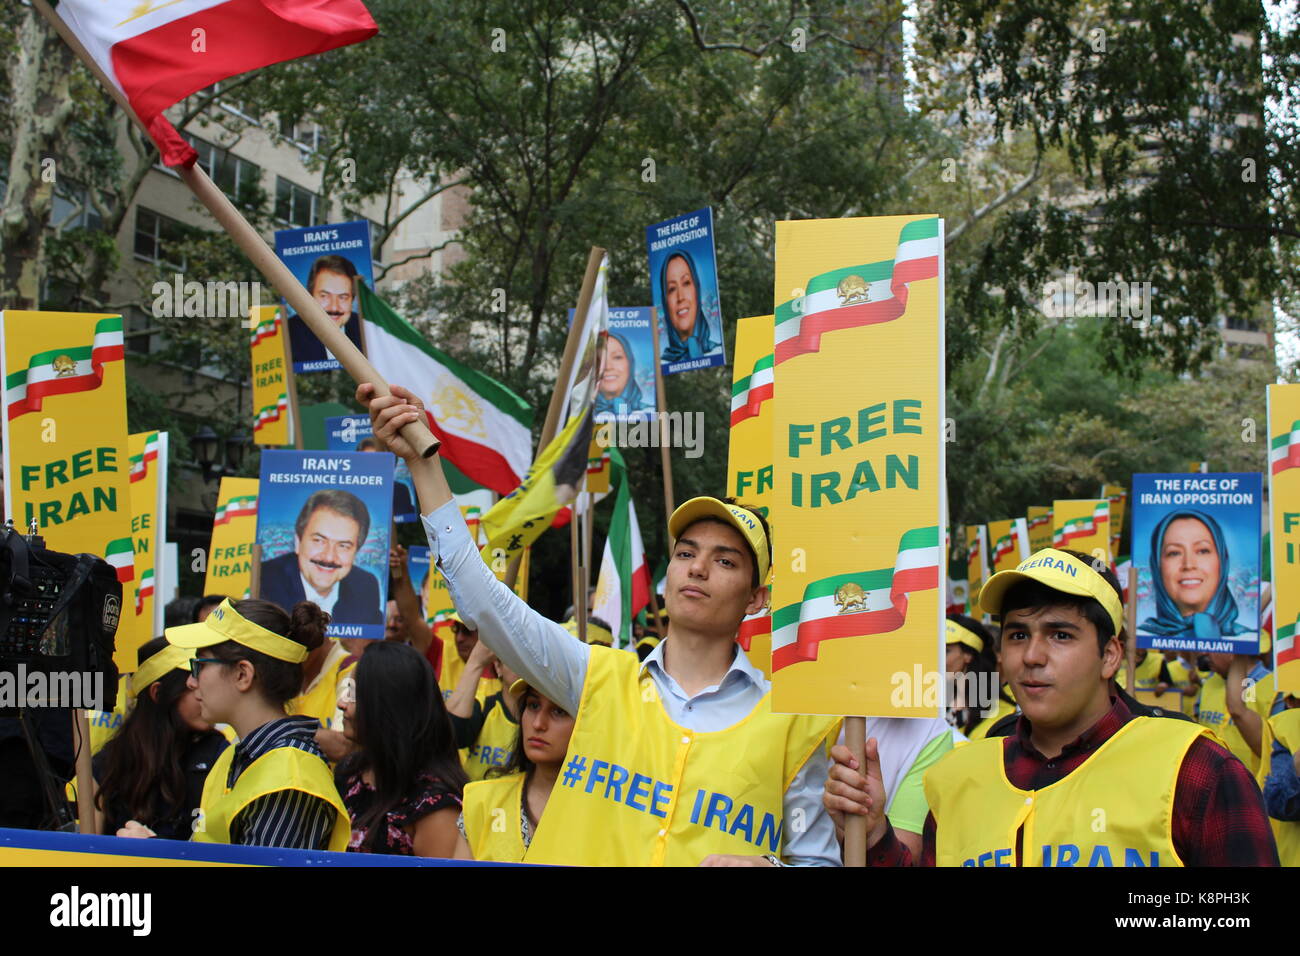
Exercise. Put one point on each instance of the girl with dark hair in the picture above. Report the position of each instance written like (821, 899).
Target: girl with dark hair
(688, 329)
(154, 768)
(403, 785)
(273, 787)
(521, 788)
(970, 654)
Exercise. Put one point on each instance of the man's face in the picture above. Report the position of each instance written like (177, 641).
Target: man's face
(1050, 657)
(327, 548)
(465, 640)
(333, 290)
(394, 625)
(709, 576)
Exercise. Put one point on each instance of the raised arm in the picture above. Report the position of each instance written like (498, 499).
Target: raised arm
(539, 650)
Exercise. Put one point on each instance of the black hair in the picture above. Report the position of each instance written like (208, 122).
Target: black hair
(1034, 595)
(519, 761)
(331, 263)
(143, 778)
(205, 602)
(760, 514)
(335, 499)
(403, 732)
(279, 681)
(983, 666)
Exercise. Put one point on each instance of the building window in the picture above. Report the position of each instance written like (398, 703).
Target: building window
(295, 206)
(237, 178)
(304, 134)
(1243, 323)
(373, 229)
(72, 208)
(158, 238)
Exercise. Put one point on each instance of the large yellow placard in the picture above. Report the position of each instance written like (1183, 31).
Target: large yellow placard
(1039, 520)
(749, 455)
(1284, 520)
(1082, 524)
(65, 449)
(857, 622)
(272, 422)
(234, 532)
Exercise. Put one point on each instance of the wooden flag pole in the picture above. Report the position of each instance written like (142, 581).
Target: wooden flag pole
(665, 455)
(855, 827)
(552, 424)
(1130, 626)
(88, 818)
(258, 252)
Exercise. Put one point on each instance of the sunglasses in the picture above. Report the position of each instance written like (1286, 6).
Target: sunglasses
(196, 664)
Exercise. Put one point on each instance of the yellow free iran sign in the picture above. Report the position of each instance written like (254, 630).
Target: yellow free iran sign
(1284, 522)
(272, 421)
(148, 476)
(234, 532)
(749, 457)
(858, 477)
(65, 449)
(1082, 524)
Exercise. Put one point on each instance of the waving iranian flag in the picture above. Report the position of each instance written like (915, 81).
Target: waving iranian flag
(157, 52)
(485, 429)
(623, 586)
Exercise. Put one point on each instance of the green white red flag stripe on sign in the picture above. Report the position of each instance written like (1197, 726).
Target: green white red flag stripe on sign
(1039, 520)
(63, 371)
(241, 506)
(144, 590)
(752, 626)
(857, 296)
(1286, 645)
(140, 462)
(858, 603)
(267, 328)
(1003, 547)
(121, 555)
(749, 394)
(1284, 452)
(272, 413)
(1082, 527)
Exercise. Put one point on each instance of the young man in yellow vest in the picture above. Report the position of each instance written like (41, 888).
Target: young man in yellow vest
(677, 760)
(1082, 781)
(1279, 775)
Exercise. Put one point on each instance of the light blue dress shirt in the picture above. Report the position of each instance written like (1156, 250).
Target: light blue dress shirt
(550, 659)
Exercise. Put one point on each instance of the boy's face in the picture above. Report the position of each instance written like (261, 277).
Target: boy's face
(1049, 655)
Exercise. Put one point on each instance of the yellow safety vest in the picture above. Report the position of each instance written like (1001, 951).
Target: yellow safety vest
(1212, 712)
(492, 809)
(493, 746)
(452, 669)
(284, 768)
(1147, 673)
(638, 788)
(1284, 727)
(321, 699)
(1130, 780)
(981, 730)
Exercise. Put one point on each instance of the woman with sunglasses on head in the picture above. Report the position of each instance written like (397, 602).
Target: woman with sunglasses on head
(273, 787)
(519, 790)
(153, 769)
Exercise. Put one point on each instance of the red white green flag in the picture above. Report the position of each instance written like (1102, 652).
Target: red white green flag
(241, 506)
(272, 413)
(1285, 450)
(140, 462)
(749, 393)
(157, 52)
(858, 603)
(857, 296)
(62, 371)
(121, 555)
(623, 585)
(485, 429)
(1084, 527)
(144, 590)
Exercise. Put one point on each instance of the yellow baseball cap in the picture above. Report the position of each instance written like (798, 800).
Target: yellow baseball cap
(157, 666)
(742, 519)
(956, 634)
(227, 624)
(1060, 572)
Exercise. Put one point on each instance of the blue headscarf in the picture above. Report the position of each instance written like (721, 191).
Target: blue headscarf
(698, 344)
(627, 401)
(1219, 618)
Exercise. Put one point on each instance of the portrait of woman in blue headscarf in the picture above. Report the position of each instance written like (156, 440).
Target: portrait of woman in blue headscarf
(617, 393)
(1189, 572)
(679, 291)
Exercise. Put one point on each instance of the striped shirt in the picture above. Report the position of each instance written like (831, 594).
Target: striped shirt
(292, 819)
